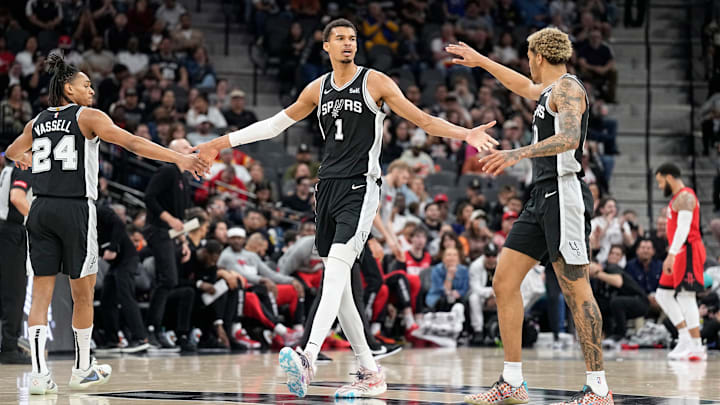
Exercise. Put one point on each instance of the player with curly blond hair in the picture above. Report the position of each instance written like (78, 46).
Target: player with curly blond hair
(557, 213)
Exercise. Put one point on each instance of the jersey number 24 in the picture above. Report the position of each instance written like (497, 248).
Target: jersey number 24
(64, 152)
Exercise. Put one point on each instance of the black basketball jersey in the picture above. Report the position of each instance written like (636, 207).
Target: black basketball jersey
(13, 178)
(545, 125)
(64, 162)
(351, 124)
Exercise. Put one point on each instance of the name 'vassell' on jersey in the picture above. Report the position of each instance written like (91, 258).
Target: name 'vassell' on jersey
(351, 126)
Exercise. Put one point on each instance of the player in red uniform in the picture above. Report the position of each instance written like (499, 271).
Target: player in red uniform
(683, 269)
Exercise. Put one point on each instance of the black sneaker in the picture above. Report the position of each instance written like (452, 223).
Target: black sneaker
(136, 346)
(477, 340)
(386, 350)
(153, 341)
(186, 346)
(14, 357)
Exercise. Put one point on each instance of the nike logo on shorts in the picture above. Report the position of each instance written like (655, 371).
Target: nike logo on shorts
(357, 186)
(550, 194)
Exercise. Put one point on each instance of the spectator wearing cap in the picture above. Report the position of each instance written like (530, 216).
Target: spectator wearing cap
(65, 48)
(474, 195)
(302, 156)
(133, 108)
(237, 116)
(481, 296)
(442, 201)
(201, 109)
(170, 12)
(185, 37)
(597, 65)
(508, 219)
(136, 61)
(44, 15)
(204, 131)
(419, 160)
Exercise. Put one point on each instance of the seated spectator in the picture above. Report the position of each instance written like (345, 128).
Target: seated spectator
(140, 18)
(118, 36)
(302, 157)
(432, 221)
(597, 65)
(508, 219)
(225, 183)
(300, 200)
(237, 116)
(185, 37)
(564, 10)
(481, 296)
(477, 235)
(166, 66)
(227, 158)
(658, 237)
(15, 111)
(200, 70)
(506, 15)
(103, 12)
(99, 60)
(26, 57)
(710, 113)
(67, 48)
(505, 51)
(136, 61)
(44, 15)
(442, 59)
(201, 109)
(606, 230)
(462, 217)
(133, 108)
(377, 30)
(646, 270)
(450, 282)
(417, 158)
(474, 20)
(157, 33)
(264, 283)
(627, 299)
(169, 12)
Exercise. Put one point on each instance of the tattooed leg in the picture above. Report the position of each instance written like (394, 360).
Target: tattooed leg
(575, 284)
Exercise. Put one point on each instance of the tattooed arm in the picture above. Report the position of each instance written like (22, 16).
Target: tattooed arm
(684, 204)
(568, 98)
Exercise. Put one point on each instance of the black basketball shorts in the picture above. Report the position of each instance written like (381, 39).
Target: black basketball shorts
(63, 237)
(555, 221)
(344, 212)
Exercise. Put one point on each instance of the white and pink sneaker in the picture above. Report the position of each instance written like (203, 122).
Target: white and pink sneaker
(367, 383)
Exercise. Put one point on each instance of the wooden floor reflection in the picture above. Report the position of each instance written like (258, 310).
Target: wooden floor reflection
(414, 377)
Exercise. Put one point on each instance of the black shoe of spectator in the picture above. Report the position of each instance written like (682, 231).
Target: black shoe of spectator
(153, 340)
(14, 357)
(186, 346)
(477, 340)
(136, 346)
(323, 358)
(387, 350)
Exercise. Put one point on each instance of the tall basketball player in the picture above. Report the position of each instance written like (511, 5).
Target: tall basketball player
(61, 145)
(683, 268)
(557, 213)
(348, 101)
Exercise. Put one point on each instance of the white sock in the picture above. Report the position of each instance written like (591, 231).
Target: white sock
(37, 335)
(311, 351)
(596, 380)
(512, 373)
(280, 329)
(684, 335)
(409, 318)
(82, 347)
(697, 342)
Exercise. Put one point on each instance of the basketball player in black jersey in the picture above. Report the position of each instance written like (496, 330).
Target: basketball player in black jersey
(555, 222)
(61, 146)
(348, 102)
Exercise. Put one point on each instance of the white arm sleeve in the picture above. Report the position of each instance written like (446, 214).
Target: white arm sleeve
(261, 130)
(682, 231)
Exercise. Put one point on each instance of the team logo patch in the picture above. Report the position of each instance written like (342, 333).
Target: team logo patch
(337, 108)
(575, 247)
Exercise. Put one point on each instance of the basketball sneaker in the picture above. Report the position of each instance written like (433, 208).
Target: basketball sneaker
(41, 384)
(298, 369)
(96, 374)
(242, 339)
(588, 397)
(501, 393)
(697, 353)
(680, 352)
(367, 383)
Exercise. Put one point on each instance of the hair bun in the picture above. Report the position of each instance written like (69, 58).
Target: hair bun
(55, 64)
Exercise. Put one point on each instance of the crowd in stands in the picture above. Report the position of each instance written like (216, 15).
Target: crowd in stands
(246, 274)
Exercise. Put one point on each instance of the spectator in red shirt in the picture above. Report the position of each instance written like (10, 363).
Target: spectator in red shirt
(224, 182)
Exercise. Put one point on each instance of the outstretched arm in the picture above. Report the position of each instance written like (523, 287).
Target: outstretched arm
(95, 121)
(514, 81)
(383, 87)
(265, 129)
(568, 97)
